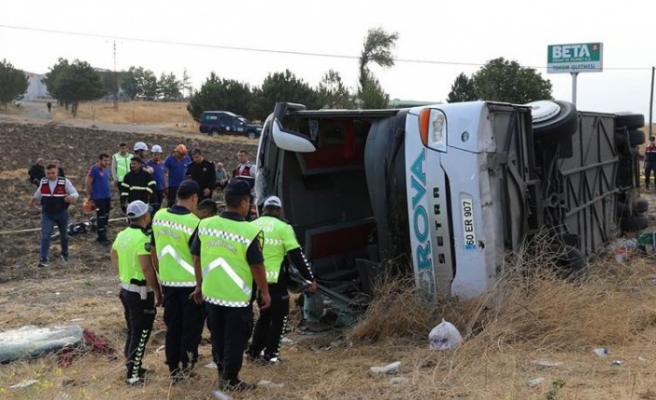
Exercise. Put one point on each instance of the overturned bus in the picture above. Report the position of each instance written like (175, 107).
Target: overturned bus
(448, 189)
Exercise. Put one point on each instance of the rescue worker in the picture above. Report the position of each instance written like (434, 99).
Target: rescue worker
(100, 195)
(227, 249)
(120, 164)
(140, 292)
(203, 172)
(184, 318)
(176, 166)
(650, 161)
(158, 174)
(279, 243)
(55, 194)
(140, 150)
(137, 184)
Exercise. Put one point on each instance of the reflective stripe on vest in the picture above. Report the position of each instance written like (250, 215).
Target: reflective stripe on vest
(172, 233)
(227, 278)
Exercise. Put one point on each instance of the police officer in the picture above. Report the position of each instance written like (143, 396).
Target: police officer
(279, 242)
(172, 231)
(140, 292)
(228, 251)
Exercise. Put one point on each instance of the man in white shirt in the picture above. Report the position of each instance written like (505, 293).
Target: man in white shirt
(245, 170)
(55, 193)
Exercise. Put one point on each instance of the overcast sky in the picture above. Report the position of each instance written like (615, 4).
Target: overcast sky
(463, 31)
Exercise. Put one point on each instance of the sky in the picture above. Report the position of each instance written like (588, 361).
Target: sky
(444, 32)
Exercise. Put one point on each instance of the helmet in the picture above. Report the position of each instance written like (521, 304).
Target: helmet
(181, 148)
(88, 206)
(156, 149)
(140, 146)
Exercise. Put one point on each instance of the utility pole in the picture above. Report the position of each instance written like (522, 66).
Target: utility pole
(115, 81)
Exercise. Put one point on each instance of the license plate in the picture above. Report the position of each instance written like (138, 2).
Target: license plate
(468, 229)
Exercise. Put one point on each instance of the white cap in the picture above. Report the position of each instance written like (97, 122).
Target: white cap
(273, 201)
(156, 149)
(140, 146)
(137, 209)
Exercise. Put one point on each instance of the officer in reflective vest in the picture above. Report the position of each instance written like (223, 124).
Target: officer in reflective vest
(120, 164)
(171, 240)
(228, 258)
(140, 292)
(279, 242)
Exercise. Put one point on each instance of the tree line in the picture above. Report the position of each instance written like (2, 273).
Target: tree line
(73, 82)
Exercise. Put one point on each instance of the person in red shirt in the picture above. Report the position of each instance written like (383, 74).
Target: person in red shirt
(650, 161)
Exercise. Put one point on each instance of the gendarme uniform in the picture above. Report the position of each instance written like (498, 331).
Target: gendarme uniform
(137, 297)
(172, 232)
(227, 246)
(279, 241)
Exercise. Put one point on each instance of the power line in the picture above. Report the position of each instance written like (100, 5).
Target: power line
(273, 51)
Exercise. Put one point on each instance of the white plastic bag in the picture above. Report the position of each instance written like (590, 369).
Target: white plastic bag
(444, 336)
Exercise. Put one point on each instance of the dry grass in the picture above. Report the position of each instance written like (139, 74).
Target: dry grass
(16, 174)
(530, 315)
(134, 112)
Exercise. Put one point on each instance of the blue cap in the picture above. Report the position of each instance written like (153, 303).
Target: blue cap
(237, 188)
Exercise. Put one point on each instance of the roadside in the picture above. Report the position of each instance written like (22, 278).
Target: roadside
(37, 113)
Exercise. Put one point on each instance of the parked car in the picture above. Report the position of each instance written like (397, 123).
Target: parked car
(227, 123)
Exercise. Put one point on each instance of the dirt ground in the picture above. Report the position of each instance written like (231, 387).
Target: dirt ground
(76, 149)
(556, 323)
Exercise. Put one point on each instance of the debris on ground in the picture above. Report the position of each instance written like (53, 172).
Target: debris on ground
(92, 343)
(392, 368)
(24, 384)
(534, 382)
(601, 351)
(548, 364)
(31, 341)
(399, 381)
(616, 362)
(270, 384)
(444, 336)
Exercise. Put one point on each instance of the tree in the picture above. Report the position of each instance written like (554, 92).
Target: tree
(51, 77)
(463, 89)
(169, 87)
(282, 86)
(377, 49)
(220, 94)
(132, 82)
(13, 82)
(504, 80)
(150, 90)
(333, 93)
(75, 83)
(186, 84)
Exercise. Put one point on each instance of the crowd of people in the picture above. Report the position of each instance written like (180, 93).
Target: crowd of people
(203, 267)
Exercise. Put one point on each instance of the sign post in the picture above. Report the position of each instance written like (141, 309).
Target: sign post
(574, 58)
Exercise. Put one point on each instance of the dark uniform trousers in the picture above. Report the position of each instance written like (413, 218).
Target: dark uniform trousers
(184, 321)
(139, 316)
(270, 325)
(158, 200)
(231, 328)
(103, 207)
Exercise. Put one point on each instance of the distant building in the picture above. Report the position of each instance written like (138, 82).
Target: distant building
(35, 88)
